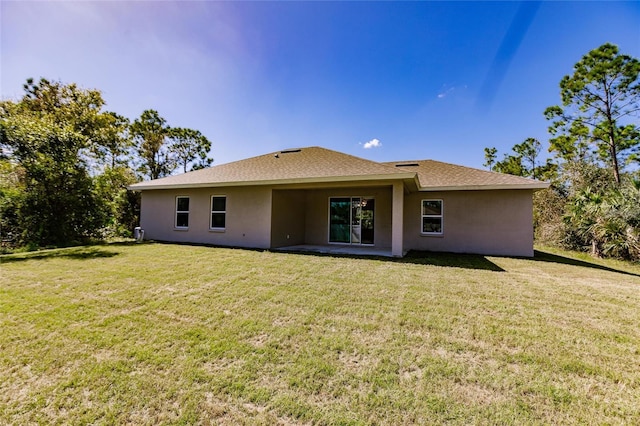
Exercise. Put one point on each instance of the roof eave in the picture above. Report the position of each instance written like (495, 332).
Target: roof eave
(534, 186)
(145, 186)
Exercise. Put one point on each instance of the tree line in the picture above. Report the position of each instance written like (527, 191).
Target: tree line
(593, 202)
(66, 162)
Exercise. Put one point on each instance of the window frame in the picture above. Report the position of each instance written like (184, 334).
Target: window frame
(212, 211)
(177, 212)
(438, 216)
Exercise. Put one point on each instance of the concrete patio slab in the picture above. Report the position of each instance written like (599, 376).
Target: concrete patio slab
(353, 250)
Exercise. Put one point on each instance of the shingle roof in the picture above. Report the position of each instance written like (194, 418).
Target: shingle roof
(315, 164)
(436, 175)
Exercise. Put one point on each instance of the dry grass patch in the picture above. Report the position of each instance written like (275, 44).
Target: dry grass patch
(171, 334)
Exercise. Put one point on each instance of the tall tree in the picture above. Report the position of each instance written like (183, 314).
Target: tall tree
(162, 148)
(523, 162)
(188, 146)
(529, 150)
(113, 140)
(490, 155)
(599, 101)
(150, 133)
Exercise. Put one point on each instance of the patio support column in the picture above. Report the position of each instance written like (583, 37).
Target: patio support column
(397, 219)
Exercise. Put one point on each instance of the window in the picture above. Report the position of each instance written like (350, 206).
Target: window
(218, 212)
(432, 217)
(182, 212)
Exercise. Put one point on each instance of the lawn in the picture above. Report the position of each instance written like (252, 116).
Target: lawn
(175, 334)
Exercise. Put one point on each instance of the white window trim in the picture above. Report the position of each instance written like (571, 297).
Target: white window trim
(211, 227)
(441, 216)
(188, 212)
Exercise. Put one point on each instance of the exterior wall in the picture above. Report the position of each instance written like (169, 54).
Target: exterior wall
(258, 217)
(317, 213)
(248, 217)
(288, 218)
(496, 222)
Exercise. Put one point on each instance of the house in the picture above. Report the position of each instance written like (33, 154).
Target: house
(318, 197)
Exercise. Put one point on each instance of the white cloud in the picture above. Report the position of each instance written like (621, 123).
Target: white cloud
(373, 143)
(447, 90)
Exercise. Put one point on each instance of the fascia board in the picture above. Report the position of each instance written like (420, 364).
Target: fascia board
(534, 186)
(329, 179)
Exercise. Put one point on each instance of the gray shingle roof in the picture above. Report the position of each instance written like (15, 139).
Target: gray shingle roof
(315, 164)
(436, 175)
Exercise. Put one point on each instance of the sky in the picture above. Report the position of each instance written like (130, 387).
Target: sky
(384, 81)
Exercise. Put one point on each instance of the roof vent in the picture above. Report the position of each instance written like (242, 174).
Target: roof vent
(408, 165)
(290, 151)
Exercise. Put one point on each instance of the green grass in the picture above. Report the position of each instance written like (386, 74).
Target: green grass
(174, 334)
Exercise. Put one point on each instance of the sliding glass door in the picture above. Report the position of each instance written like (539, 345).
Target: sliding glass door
(366, 220)
(351, 220)
(340, 220)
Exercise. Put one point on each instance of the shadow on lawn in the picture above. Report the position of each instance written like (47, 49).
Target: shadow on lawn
(452, 260)
(542, 256)
(78, 253)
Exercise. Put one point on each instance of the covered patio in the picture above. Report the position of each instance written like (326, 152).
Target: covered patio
(339, 218)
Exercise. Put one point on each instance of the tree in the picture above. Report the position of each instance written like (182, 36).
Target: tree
(11, 191)
(65, 164)
(548, 211)
(584, 216)
(113, 140)
(150, 133)
(524, 162)
(490, 155)
(122, 206)
(609, 223)
(162, 148)
(598, 102)
(189, 145)
(47, 134)
(529, 151)
(512, 165)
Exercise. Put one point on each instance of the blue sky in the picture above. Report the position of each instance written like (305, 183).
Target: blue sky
(427, 80)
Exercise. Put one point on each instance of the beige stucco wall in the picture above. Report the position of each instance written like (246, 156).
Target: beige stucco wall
(259, 217)
(288, 218)
(317, 213)
(248, 219)
(483, 222)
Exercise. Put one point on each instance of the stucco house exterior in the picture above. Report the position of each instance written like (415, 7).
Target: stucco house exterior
(315, 196)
